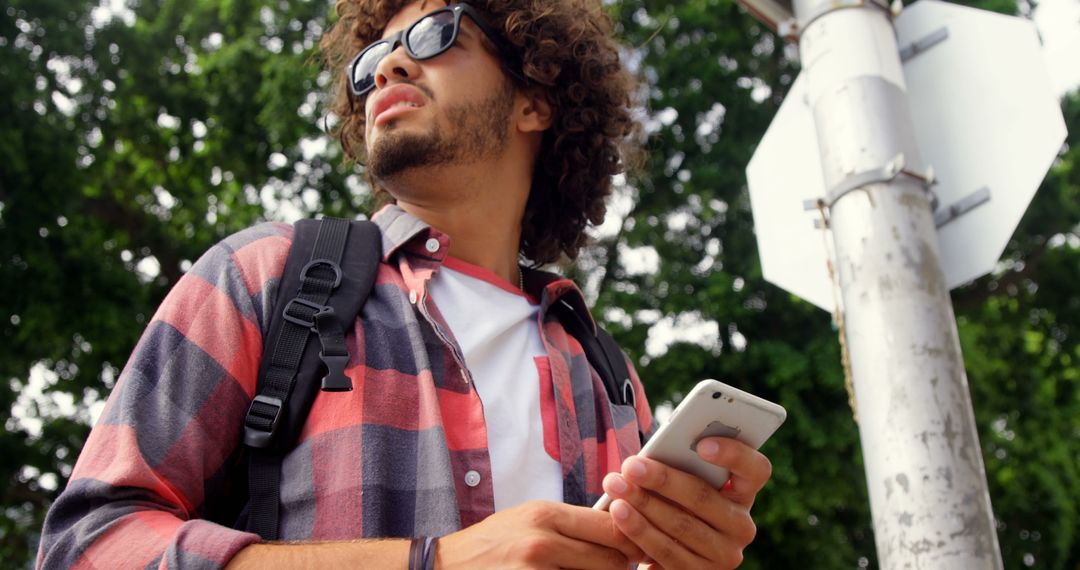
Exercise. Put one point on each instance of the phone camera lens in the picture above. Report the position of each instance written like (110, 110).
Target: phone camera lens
(717, 395)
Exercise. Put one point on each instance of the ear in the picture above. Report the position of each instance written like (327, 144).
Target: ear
(533, 112)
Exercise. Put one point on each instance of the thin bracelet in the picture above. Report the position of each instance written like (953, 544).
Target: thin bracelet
(428, 558)
(414, 553)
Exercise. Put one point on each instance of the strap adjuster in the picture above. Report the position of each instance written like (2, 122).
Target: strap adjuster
(262, 420)
(296, 316)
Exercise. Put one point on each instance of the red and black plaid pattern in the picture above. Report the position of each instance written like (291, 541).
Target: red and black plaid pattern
(386, 459)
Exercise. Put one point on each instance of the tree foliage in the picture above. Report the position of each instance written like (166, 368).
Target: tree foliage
(132, 140)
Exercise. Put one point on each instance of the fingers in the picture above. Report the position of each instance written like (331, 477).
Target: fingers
(750, 469)
(595, 527)
(576, 537)
(666, 551)
(540, 534)
(678, 518)
(682, 489)
(558, 551)
(713, 528)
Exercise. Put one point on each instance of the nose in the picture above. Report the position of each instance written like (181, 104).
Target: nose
(396, 66)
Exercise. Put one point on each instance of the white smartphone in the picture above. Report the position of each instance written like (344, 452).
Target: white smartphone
(711, 409)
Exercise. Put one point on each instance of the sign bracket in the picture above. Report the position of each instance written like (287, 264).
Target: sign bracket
(962, 206)
(923, 44)
(882, 174)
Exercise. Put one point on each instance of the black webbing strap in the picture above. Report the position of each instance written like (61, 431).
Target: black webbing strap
(282, 357)
(602, 352)
(264, 493)
(318, 279)
(620, 374)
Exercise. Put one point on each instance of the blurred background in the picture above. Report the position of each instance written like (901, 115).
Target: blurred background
(133, 135)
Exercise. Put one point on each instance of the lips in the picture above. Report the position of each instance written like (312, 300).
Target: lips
(394, 101)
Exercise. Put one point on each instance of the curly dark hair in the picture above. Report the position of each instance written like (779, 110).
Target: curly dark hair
(568, 52)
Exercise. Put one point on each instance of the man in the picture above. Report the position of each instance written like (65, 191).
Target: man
(494, 129)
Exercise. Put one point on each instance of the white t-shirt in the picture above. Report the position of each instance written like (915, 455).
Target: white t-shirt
(496, 326)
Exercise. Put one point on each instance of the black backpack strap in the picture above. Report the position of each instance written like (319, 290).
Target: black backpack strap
(322, 291)
(619, 371)
(602, 353)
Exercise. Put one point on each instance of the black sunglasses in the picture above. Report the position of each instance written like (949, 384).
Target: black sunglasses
(425, 38)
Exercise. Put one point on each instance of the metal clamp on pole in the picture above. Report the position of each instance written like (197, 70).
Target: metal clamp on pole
(790, 29)
(883, 174)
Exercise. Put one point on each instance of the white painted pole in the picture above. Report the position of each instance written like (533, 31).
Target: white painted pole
(924, 469)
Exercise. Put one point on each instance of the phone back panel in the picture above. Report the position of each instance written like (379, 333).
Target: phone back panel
(713, 408)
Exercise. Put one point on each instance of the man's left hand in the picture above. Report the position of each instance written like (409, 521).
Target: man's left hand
(679, 520)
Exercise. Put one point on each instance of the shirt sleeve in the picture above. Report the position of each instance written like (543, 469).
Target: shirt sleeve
(164, 448)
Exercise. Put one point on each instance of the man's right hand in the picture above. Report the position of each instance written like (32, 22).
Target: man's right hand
(539, 534)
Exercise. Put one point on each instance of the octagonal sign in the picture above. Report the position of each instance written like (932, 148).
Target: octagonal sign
(986, 119)
(986, 116)
(785, 172)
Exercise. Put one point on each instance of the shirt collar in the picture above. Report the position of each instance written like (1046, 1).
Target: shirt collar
(399, 228)
(403, 231)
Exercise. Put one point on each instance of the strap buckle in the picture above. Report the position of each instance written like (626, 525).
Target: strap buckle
(262, 420)
(335, 355)
(335, 379)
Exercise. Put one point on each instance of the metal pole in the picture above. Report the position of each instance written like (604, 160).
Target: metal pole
(924, 468)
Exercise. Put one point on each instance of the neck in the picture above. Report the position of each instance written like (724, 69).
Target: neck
(479, 206)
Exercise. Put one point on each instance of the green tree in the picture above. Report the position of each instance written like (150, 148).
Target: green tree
(1019, 331)
(132, 141)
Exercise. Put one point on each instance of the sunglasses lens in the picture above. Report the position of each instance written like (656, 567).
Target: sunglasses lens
(363, 73)
(431, 35)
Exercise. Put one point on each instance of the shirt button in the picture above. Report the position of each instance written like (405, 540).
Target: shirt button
(472, 478)
(413, 297)
(433, 245)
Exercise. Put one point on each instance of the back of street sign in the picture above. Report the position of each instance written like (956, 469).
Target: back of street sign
(986, 119)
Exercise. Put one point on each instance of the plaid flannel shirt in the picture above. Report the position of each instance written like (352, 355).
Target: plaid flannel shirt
(388, 459)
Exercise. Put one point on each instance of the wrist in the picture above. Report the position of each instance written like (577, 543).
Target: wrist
(374, 553)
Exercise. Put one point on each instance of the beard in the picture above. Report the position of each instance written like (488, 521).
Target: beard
(477, 131)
